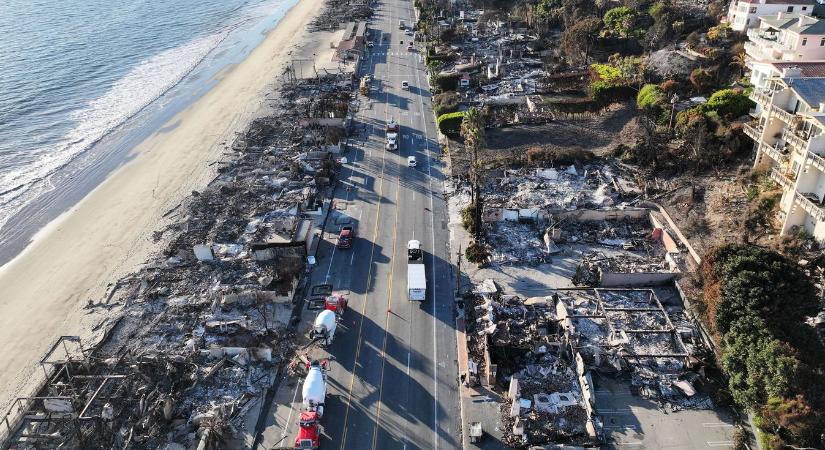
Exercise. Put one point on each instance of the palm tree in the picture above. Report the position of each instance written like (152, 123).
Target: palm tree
(472, 130)
(739, 60)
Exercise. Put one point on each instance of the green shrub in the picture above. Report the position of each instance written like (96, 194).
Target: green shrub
(620, 19)
(650, 98)
(446, 102)
(467, 220)
(450, 124)
(476, 252)
(728, 103)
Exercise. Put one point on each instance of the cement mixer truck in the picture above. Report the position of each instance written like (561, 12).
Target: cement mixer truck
(314, 392)
(324, 327)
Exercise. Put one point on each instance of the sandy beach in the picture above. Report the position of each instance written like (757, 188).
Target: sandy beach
(44, 292)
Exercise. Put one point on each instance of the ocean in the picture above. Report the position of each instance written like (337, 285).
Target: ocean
(83, 81)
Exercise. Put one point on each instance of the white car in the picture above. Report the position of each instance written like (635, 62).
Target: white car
(370, 44)
(405, 85)
(409, 32)
(411, 161)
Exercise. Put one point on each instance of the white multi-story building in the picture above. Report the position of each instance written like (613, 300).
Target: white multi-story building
(763, 72)
(744, 14)
(787, 37)
(790, 144)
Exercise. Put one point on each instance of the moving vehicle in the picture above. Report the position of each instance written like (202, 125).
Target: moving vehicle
(405, 85)
(408, 32)
(323, 328)
(392, 135)
(412, 161)
(314, 392)
(370, 44)
(401, 25)
(410, 47)
(345, 237)
(416, 274)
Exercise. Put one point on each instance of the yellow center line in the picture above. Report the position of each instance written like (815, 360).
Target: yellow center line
(389, 309)
(369, 278)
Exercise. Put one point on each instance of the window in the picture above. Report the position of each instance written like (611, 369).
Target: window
(804, 41)
(804, 8)
(822, 42)
(790, 8)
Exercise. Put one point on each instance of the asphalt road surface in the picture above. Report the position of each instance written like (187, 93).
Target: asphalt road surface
(393, 384)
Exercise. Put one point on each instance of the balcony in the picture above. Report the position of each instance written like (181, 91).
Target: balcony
(796, 140)
(761, 96)
(783, 115)
(775, 154)
(753, 131)
(758, 36)
(811, 204)
(780, 178)
(816, 161)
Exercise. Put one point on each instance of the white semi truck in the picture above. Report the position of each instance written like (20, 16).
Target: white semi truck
(392, 135)
(416, 273)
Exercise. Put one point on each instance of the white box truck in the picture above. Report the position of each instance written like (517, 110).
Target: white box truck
(416, 274)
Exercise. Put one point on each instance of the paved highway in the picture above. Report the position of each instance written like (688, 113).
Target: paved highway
(393, 385)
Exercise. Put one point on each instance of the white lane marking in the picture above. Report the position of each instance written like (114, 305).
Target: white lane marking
(717, 425)
(432, 269)
(291, 408)
(719, 443)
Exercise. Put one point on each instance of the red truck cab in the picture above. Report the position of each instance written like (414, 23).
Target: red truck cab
(345, 237)
(309, 436)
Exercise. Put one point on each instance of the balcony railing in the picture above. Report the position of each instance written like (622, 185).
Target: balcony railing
(780, 178)
(761, 96)
(811, 207)
(758, 36)
(753, 131)
(775, 153)
(817, 161)
(783, 115)
(795, 140)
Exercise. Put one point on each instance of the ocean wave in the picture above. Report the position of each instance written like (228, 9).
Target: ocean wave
(136, 90)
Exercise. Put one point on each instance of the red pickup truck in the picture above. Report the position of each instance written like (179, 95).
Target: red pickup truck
(345, 237)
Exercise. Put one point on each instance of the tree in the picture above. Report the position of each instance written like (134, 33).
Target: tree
(794, 418)
(739, 60)
(472, 130)
(620, 19)
(577, 41)
(719, 32)
(701, 80)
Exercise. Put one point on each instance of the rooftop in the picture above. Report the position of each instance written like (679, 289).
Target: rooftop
(795, 23)
(810, 90)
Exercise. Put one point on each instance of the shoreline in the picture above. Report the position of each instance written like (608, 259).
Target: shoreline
(79, 256)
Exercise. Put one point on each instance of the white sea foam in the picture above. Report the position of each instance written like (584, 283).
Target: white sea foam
(141, 86)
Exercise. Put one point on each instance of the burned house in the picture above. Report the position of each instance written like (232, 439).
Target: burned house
(542, 352)
(203, 329)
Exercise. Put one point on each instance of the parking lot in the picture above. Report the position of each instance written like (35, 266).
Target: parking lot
(631, 421)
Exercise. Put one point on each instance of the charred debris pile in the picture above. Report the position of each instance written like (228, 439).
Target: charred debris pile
(206, 325)
(541, 353)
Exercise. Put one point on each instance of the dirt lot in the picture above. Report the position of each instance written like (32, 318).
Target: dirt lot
(598, 135)
(715, 214)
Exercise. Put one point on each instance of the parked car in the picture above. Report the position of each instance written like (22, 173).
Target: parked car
(405, 85)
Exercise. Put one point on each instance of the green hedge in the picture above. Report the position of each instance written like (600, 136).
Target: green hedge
(450, 123)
